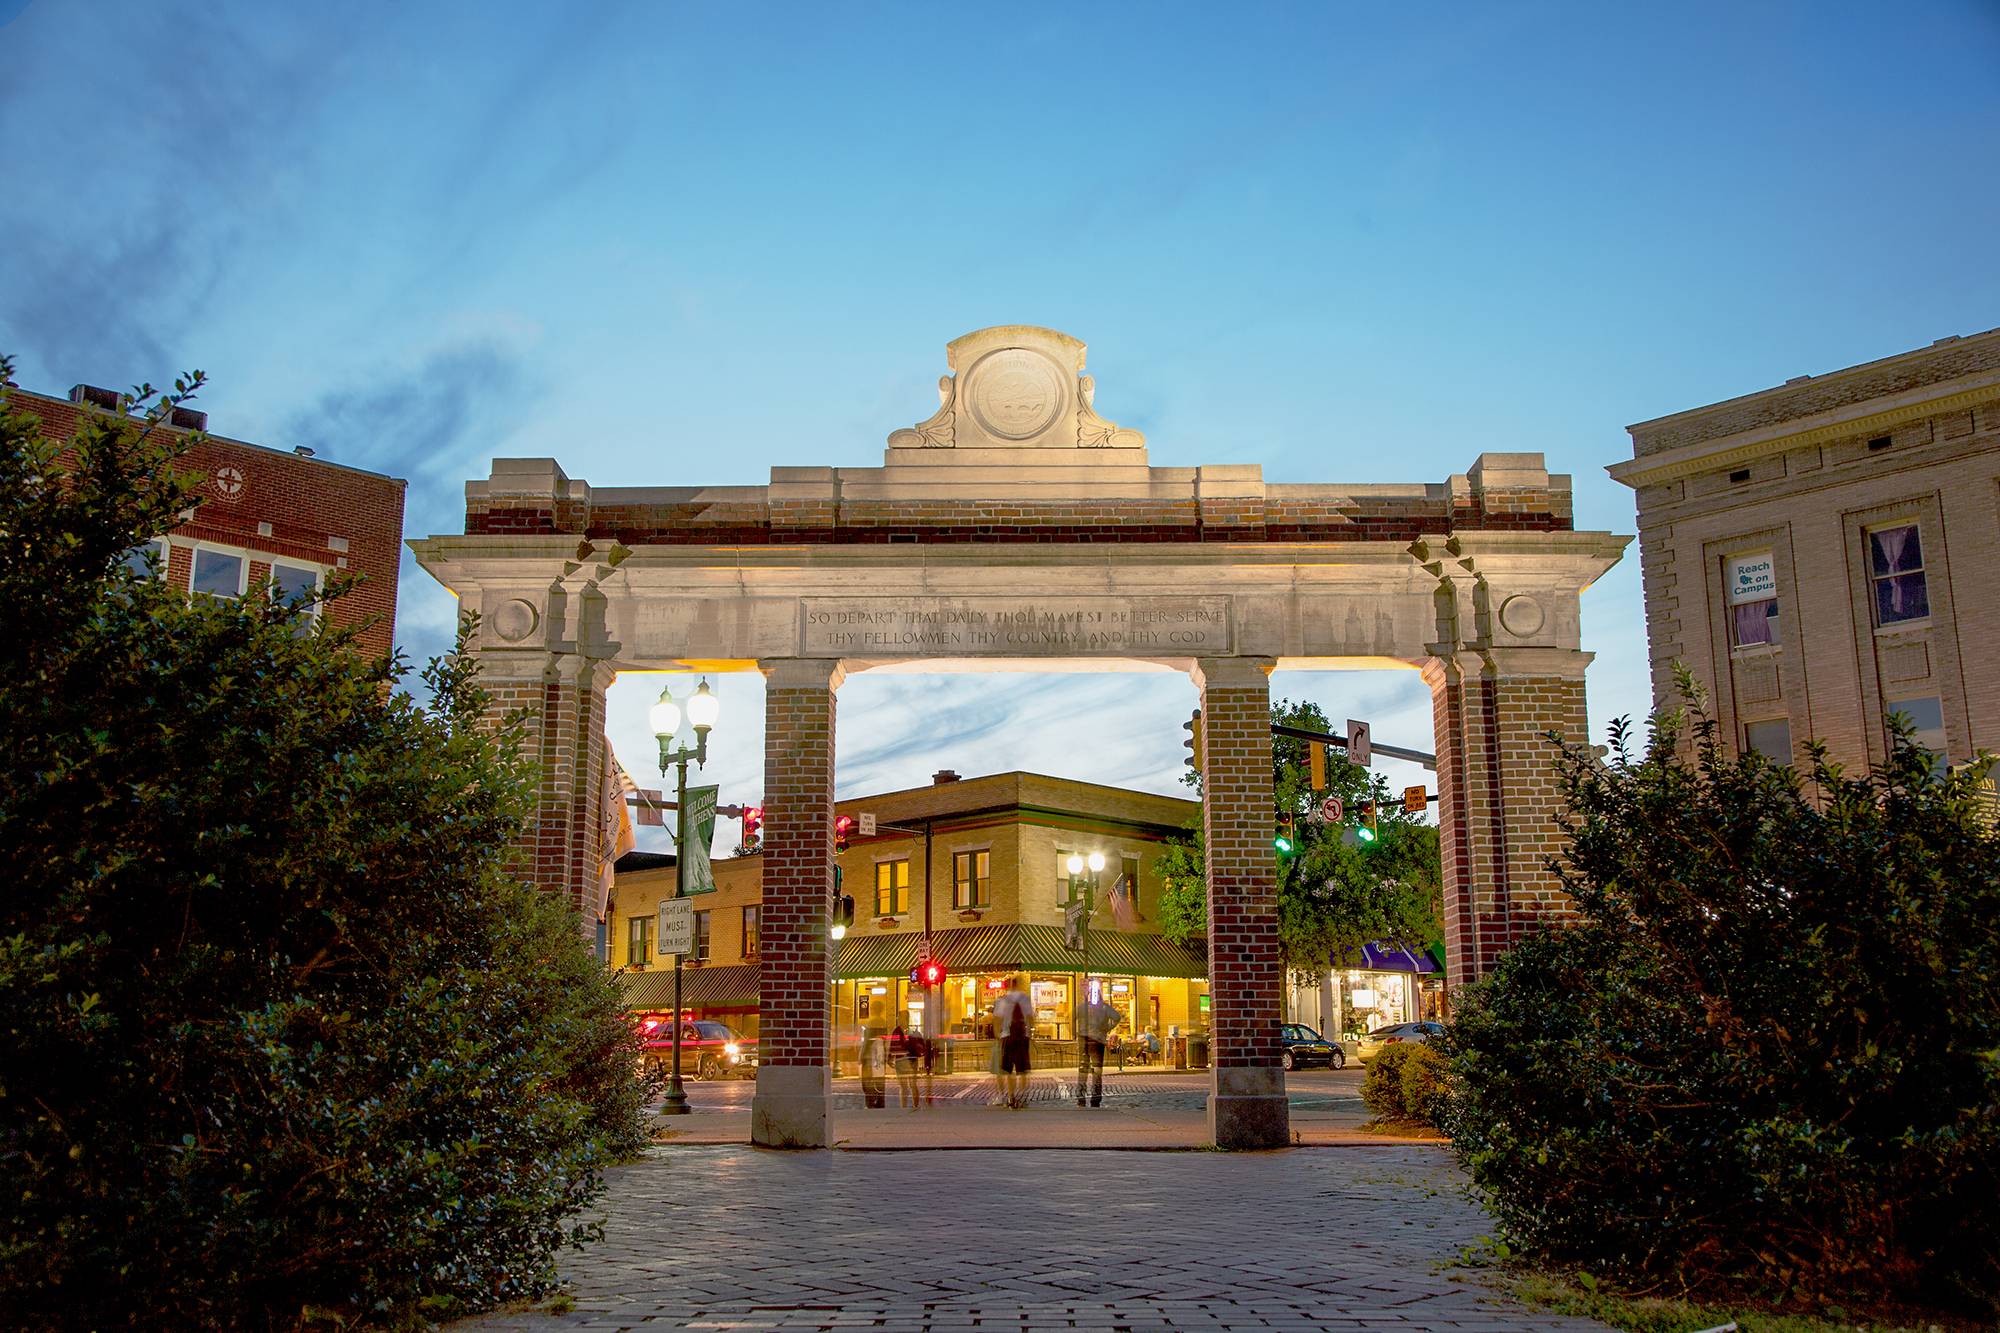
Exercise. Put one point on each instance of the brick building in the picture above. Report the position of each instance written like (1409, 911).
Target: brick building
(990, 856)
(267, 514)
(1823, 553)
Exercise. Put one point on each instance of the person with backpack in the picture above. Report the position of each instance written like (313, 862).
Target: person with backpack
(1014, 1022)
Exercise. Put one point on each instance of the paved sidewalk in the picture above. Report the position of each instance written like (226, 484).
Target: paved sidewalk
(955, 1242)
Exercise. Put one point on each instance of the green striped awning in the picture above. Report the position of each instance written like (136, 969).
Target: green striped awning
(702, 987)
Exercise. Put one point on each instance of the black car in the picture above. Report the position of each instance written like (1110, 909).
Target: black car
(1303, 1048)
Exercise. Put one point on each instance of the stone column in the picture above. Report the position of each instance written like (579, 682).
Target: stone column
(794, 1082)
(561, 697)
(1246, 1104)
(1497, 790)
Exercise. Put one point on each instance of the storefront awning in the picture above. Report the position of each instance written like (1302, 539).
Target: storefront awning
(1030, 948)
(702, 987)
(1384, 957)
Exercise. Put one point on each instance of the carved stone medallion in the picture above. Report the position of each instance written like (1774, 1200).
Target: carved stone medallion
(1521, 615)
(1014, 393)
(514, 620)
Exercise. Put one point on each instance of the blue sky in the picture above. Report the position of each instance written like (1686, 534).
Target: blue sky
(667, 243)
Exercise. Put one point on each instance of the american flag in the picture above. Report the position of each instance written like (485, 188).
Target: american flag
(1122, 911)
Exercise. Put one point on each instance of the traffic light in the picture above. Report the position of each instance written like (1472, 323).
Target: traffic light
(842, 909)
(1285, 842)
(1316, 755)
(843, 829)
(753, 824)
(1364, 821)
(1194, 740)
(928, 974)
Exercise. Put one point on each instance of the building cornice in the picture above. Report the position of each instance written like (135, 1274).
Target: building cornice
(1733, 451)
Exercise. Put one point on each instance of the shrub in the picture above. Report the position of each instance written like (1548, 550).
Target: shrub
(1382, 1084)
(282, 1042)
(1426, 1085)
(1766, 1054)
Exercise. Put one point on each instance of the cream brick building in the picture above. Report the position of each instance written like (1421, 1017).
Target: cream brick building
(1828, 551)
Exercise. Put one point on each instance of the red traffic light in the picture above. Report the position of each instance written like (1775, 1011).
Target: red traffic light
(753, 822)
(843, 829)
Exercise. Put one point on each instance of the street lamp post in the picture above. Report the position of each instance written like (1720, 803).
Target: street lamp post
(702, 710)
(1083, 893)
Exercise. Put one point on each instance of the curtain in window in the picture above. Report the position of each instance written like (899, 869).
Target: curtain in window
(1896, 560)
(1755, 622)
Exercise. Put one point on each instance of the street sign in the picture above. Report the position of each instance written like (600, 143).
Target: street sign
(867, 826)
(1415, 799)
(1358, 748)
(676, 926)
(1333, 810)
(650, 812)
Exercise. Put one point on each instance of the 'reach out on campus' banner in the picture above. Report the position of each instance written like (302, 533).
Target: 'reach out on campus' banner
(696, 874)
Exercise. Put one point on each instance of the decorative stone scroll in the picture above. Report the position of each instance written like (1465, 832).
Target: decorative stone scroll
(1014, 626)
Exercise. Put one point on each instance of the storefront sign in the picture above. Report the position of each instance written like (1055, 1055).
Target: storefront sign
(1049, 994)
(1752, 578)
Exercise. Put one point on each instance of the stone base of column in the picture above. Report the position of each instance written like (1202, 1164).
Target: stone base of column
(791, 1108)
(1247, 1109)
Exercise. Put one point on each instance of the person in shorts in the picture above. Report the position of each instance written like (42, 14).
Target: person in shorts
(1014, 1023)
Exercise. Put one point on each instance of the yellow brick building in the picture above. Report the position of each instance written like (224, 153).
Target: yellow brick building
(981, 864)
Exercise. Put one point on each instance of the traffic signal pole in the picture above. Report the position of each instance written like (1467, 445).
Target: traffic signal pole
(1424, 757)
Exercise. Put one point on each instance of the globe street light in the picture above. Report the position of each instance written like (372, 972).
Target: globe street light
(702, 711)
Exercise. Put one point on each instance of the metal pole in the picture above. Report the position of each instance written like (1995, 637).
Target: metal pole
(677, 1098)
(1083, 992)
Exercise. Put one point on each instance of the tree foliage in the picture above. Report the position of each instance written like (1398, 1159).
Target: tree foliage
(1334, 895)
(1769, 1053)
(280, 1041)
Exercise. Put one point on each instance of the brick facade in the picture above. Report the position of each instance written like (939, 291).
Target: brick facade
(272, 504)
(794, 1044)
(1246, 977)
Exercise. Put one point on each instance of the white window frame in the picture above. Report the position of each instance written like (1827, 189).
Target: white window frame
(195, 548)
(162, 547)
(308, 613)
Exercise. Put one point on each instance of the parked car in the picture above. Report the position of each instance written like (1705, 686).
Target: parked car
(708, 1049)
(1372, 1044)
(1303, 1048)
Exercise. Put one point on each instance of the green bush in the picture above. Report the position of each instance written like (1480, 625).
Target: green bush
(281, 1043)
(1426, 1085)
(1767, 1053)
(1382, 1083)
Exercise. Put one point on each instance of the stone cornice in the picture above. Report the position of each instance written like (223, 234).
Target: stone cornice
(1733, 451)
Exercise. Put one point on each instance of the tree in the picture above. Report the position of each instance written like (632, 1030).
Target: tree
(1766, 1053)
(280, 1041)
(1334, 895)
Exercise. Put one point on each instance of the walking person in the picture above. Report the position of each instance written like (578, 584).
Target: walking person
(1100, 1019)
(902, 1053)
(1014, 1020)
(874, 1069)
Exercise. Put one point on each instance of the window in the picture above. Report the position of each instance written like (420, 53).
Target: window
(892, 887)
(750, 935)
(970, 875)
(700, 954)
(1753, 600)
(147, 560)
(218, 573)
(296, 584)
(639, 941)
(1772, 739)
(1926, 716)
(1896, 568)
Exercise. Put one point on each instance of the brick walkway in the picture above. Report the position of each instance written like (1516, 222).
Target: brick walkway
(953, 1242)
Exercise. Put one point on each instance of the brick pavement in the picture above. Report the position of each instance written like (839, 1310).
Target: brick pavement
(954, 1242)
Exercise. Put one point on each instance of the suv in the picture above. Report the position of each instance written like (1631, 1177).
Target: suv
(1372, 1044)
(1302, 1048)
(708, 1049)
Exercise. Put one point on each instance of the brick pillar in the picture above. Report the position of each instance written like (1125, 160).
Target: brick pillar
(1246, 1103)
(561, 696)
(1498, 795)
(794, 1038)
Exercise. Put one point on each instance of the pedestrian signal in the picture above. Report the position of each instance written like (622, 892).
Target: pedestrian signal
(843, 912)
(928, 974)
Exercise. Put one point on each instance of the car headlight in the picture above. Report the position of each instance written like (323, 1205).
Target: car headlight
(730, 1048)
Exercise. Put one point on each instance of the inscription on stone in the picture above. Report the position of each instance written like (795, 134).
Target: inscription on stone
(1013, 626)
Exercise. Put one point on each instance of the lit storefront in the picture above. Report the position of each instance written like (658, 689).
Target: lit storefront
(1377, 986)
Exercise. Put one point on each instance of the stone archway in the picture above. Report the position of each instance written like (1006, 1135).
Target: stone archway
(1016, 522)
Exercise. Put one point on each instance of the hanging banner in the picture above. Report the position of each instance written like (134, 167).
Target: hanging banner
(697, 876)
(1752, 578)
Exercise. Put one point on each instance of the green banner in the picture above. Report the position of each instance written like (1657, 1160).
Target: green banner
(697, 876)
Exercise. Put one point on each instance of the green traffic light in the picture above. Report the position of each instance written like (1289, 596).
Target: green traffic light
(1365, 833)
(1283, 845)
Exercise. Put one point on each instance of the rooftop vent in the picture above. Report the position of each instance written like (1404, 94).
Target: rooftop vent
(1948, 338)
(109, 399)
(942, 776)
(1798, 379)
(303, 450)
(187, 418)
